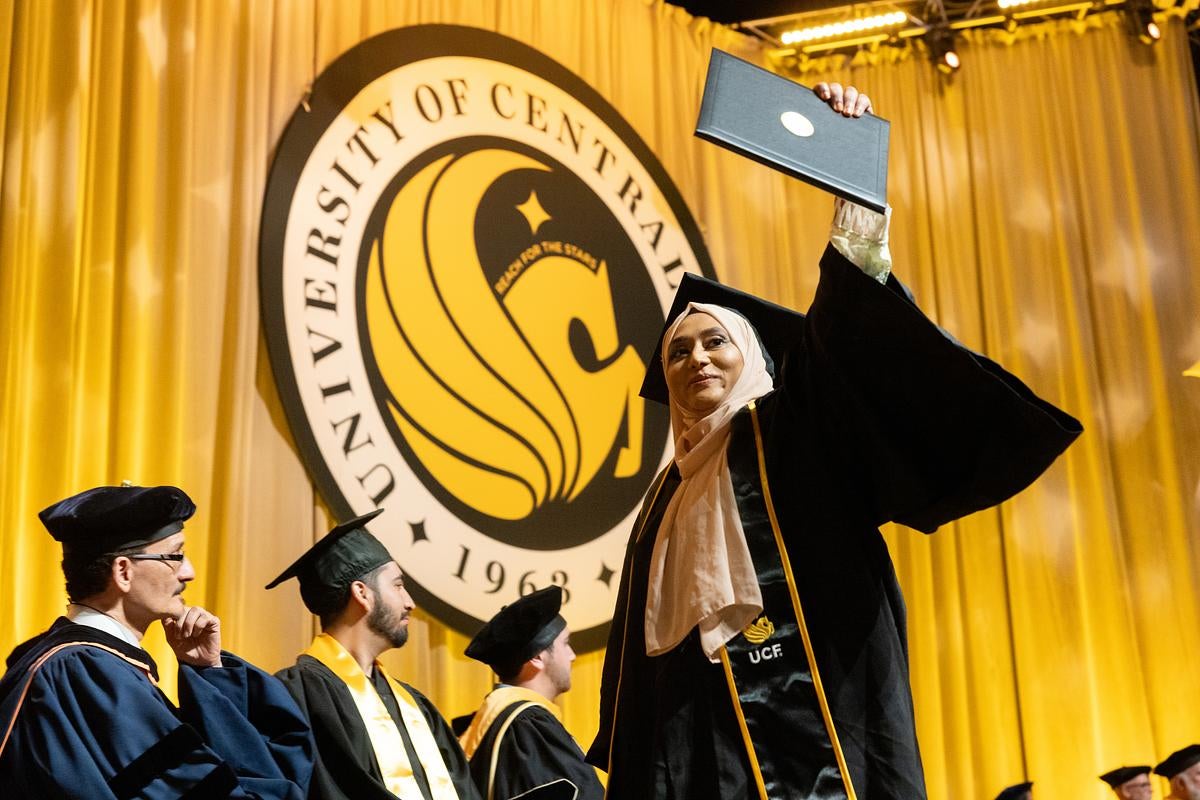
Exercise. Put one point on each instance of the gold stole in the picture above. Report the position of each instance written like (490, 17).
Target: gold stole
(493, 705)
(386, 741)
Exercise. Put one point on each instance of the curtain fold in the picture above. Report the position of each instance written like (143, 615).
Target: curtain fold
(1043, 214)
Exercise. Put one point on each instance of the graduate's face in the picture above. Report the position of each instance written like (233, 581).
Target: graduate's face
(702, 365)
(1138, 788)
(556, 661)
(1186, 785)
(156, 587)
(388, 616)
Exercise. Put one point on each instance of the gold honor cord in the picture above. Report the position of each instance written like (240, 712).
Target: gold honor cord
(791, 582)
(624, 631)
(496, 747)
(385, 737)
(612, 734)
(493, 706)
(741, 718)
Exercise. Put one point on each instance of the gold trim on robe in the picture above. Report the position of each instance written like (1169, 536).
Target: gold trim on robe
(386, 741)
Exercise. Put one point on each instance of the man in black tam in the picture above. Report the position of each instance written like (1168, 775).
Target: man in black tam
(758, 645)
(1130, 783)
(1182, 769)
(81, 714)
(1022, 791)
(377, 738)
(516, 741)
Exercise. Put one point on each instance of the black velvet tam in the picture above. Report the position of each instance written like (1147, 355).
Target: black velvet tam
(110, 518)
(1015, 792)
(778, 328)
(339, 558)
(519, 631)
(1178, 761)
(1120, 775)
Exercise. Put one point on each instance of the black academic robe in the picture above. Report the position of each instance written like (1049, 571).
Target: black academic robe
(878, 416)
(535, 750)
(346, 768)
(89, 723)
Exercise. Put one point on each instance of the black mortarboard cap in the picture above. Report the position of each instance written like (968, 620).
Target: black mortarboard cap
(339, 558)
(777, 327)
(1116, 777)
(1015, 792)
(561, 789)
(110, 518)
(519, 631)
(1178, 761)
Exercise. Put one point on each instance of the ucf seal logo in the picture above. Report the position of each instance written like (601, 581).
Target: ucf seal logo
(466, 257)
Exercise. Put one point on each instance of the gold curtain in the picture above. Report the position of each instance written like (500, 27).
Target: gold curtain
(1043, 213)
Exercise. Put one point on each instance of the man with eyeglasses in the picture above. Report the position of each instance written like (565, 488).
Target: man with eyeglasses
(1130, 783)
(81, 714)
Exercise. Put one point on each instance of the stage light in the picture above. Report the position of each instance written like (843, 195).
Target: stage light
(844, 28)
(1141, 21)
(942, 51)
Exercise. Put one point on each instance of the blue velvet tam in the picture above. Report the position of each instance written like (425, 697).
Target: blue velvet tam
(1178, 761)
(340, 557)
(108, 519)
(519, 631)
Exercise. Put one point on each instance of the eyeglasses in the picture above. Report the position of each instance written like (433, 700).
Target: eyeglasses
(176, 558)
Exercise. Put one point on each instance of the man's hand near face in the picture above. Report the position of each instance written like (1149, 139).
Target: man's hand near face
(195, 636)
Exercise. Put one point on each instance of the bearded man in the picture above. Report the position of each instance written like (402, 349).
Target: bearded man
(376, 737)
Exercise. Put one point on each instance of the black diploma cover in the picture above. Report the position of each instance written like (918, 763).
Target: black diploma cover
(785, 126)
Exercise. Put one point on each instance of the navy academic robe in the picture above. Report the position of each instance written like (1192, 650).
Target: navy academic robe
(878, 416)
(87, 722)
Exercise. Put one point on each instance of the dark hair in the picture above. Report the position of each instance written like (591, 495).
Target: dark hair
(508, 673)
(88, 574)
(330, 605)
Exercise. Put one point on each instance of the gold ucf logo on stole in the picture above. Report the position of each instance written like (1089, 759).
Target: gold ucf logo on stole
(759, 632)
(466, 259)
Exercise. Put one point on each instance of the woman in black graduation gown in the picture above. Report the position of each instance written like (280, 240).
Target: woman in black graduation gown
(758, 647)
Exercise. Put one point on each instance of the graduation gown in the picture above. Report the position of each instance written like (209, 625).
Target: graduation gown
(81, 717)
(346, 767)
(878, 415)
(529, 746)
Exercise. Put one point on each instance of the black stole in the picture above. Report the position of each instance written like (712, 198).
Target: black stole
(774, 681)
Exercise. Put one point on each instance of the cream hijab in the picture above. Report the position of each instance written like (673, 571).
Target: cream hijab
(701, 573)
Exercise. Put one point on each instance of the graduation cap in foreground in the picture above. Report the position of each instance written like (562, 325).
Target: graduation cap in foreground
(1178, 761)
(777, 327)
(110, 518)
(340, 557)
(1120, 775)
(1015, 792)
(519, 631)
(561, 789)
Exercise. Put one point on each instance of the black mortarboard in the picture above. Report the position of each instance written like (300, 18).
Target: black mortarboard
(1178, 761)
(339, 558)
(1121, 775)
(519, 631)
(111, 518)
(561, 789)
(1015, 792)
(777, 327)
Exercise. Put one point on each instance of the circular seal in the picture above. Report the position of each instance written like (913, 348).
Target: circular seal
(466, 256)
